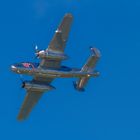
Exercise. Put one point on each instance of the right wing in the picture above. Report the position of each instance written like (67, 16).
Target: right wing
(58, 42)
(32, 98)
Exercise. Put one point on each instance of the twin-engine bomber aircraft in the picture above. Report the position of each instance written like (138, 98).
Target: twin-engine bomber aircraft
(50, 68)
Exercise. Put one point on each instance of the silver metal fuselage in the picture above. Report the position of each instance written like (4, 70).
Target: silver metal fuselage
(63, 71)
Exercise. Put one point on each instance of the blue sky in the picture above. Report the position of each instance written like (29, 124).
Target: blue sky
(110, 107)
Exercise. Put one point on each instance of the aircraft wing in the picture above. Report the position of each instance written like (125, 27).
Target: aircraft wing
(31, 99)
(58, 42)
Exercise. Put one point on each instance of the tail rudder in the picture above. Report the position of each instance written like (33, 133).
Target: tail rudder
(92, 60)
(81, 83)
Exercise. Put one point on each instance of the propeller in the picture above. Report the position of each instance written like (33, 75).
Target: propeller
(36, 52)
(36, 49)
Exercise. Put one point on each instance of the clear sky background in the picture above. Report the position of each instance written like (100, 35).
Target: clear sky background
(109, 109)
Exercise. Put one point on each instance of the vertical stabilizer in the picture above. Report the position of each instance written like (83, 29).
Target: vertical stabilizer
(88, 67)
(92, 60)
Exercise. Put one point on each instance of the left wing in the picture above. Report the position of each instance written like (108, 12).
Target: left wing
(58, 42)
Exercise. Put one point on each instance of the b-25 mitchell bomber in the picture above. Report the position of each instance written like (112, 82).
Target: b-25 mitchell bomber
(50, 67)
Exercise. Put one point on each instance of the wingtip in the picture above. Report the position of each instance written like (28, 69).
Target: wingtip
(69, 15)
(20, 118)
(96, 52)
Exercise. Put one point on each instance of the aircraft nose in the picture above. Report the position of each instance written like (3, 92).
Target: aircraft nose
(13, 68)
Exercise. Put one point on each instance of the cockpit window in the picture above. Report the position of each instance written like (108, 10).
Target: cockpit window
(30, 65)
(27, 65)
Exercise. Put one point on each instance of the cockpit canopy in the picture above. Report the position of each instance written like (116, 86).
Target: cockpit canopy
(26, 65)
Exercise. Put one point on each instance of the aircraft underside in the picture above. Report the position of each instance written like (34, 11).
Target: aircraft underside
(50, 67)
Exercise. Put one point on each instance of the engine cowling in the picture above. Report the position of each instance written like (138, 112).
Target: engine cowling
(51, 55)
(29, 85)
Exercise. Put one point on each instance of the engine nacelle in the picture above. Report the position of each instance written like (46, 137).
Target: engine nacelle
(29, 85)
(51, 55)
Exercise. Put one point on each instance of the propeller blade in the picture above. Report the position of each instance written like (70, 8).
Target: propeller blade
(36, 52)
(36, 49)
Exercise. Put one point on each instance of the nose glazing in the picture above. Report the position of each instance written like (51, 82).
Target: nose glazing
(13, 68)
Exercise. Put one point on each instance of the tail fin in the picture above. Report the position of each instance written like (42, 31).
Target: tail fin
(91, 62)
(88, 67)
